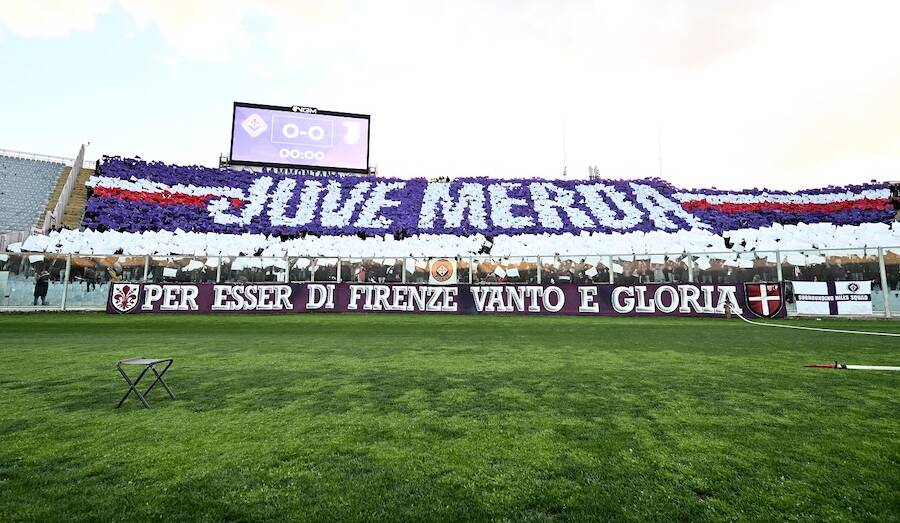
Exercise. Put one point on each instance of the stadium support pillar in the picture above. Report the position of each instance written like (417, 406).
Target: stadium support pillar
(147, 268)
(778, 270)
(65, 289)
(337, 277)
(539, 276)
(219, 269)
(690, 264)
(612, 275)
(287, 269)
(885, 290)
(403, 272)
(472, 268)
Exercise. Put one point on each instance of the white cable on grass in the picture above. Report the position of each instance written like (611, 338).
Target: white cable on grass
(844, 366)
(869, 367)
(871, 333)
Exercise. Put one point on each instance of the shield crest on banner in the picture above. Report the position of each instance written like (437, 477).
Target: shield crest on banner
(766, 300)
(124, 297)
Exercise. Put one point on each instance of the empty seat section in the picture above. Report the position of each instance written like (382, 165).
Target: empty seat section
(25, 188)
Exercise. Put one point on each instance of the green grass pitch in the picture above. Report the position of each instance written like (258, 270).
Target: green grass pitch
(439, 418)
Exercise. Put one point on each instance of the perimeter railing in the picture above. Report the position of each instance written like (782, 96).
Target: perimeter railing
(81, 281)
(84, 164)
(35, 156)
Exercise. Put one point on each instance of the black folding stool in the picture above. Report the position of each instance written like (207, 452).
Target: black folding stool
(148, 364)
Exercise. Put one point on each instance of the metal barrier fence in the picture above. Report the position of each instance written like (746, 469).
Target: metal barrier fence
(80, 281)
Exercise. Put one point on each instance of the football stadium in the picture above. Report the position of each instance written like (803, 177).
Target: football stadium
(284, 329)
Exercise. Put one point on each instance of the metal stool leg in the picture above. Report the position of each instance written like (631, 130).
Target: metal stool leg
(132, 387)
(159, 379)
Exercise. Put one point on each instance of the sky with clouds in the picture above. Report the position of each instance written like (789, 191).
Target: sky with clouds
(778, 94)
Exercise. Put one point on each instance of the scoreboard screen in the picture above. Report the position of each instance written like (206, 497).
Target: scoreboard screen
(302, 137)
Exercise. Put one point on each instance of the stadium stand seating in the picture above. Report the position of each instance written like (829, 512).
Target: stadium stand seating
(221, 224)
(139, 207)
(25, 188)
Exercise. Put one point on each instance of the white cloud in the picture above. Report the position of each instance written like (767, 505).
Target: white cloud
(204, 29)
(51, 18)
(785, 94)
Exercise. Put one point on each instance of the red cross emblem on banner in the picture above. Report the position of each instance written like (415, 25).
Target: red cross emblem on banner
(765, 299)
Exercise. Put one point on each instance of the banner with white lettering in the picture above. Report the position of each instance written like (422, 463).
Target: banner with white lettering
(833, 298)
(687, 299)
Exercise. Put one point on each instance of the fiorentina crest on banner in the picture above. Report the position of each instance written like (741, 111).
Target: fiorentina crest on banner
(443, 272)
(765, 299)
(124, 297)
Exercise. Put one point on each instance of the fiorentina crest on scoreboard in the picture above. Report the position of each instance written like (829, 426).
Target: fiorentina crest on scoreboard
(766, 300)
